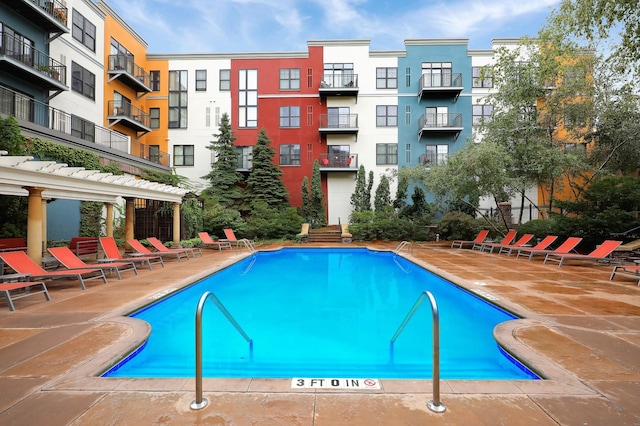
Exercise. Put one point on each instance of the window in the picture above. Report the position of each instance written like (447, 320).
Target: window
(290, 116)
(338, 75)
(574, 116)
(575, 146)
(481, 113)
(407, 115)
(480, 80)
(245, 157)
(290, 155)
(407, 153)
(201, 80)
(338, 117)
(83, 81)
(386, 78)
(154, 118)
(183, 155)
(338, 156)
(83, 129)
(386, 115)
(407, 76)
(20, 105)
(290, 79)
(248, 98)
(435, 155)
(154, 153)
(386, 154)
(83, 31)
(225, 80)
(436, 74)
(155, 80)
(178, 99)
(436, 117)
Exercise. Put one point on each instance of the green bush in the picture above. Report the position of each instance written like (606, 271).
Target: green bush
(540, 228)
(368, 226)
(272, 223)
(458, 226)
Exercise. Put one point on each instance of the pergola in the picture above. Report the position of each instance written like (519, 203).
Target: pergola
(47, 180)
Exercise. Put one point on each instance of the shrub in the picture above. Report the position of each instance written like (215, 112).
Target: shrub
(458, 226)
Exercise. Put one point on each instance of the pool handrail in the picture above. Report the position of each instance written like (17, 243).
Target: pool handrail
(200, 402)
(435, 404)
(402, 245)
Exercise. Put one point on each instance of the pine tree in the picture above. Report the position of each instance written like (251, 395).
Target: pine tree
(358, 196)
(367, 199)
(225, 179)
(382, 199)
(264, 183)
(401, 192)
(317, 208)
(306, 201)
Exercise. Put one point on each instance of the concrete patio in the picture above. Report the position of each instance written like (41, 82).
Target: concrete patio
(579, 330)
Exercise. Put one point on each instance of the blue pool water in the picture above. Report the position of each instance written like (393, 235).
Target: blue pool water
(323, 313)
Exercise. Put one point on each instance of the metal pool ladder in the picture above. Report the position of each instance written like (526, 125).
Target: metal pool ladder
(435, 404)
(403, 245)
(200, 402)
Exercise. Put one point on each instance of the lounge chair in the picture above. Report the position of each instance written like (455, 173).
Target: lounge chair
(542, 245)
(482, 235)
(207, 241)
(601, 253)
(569, 244)
(112, 254)
(627, 249)
(139, 248)
(157, 244)
(346, 236)
(28, 289)
(632, 271)
(231, 237)
(23, 264)
(65, 256)
(508, 238)
(520, 242)
(304, 233)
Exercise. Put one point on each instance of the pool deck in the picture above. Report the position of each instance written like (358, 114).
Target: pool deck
(579, 330)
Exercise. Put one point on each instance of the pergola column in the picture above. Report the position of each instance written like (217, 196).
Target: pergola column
(176, 223)
(129, 218)
(34, 223)
(44, 225)
(109, 219)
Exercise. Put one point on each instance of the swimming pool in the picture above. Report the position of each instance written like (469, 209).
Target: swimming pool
(318, 312)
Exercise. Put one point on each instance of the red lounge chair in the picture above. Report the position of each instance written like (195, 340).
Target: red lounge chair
(139, 248)
(632, 271)
(602, 252)
(28, 289)
(112, 253)
(70, 261)
(542, 245)
(157, 244)
(231, 237)
(207, 241)
(482, 235)
(565, 247)
(505, 241)
(506, 248)
(23, 264)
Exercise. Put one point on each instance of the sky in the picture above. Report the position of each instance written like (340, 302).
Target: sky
(230, 26)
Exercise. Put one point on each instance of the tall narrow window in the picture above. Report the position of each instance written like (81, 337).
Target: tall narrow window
(290, 79)
(407, 153)
(309, 77)
(309, 115)
(155, 80)
(201, 80)
(407, 77)
(154, 118)
(178, 99)
(407, 115)
(248, 98)
(225, 80)
(83, 30)
(83, 81)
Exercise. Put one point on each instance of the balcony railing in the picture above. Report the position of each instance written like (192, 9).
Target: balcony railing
(50, 15)
(124, 113)
(150, 153)
(339, 162)
(440, 84)
(14, 52)
(26, 109)
(124, 68)
(440, 123)
(338, 84)
(338, 123)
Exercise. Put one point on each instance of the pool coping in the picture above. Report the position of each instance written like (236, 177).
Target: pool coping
(86, 377)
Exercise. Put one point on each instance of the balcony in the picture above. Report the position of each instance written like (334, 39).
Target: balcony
(338, 85)
(50, 15)
(24, 62)
(437, 85)
(123, 68)
(38, 119)
(125, 114)
(440, 124)
(342, 162)
(340, 124)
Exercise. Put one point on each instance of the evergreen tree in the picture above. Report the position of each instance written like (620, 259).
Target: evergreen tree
(306, 202)
(367, 199)
(225, 179)
(11, 140)
(401, 193)
(264, 183)
(317, 208)
(382, 199)
(359, 194)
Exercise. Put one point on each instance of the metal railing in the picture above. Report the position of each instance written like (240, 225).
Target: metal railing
(126, 64)
(339, 161)
(402, 245)
(127, 110)
(338, 81)
(338, 121)
(55, 8)
(16, 49)
(435, 404)
(440, 81)
(440, 120)
(200, 402)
